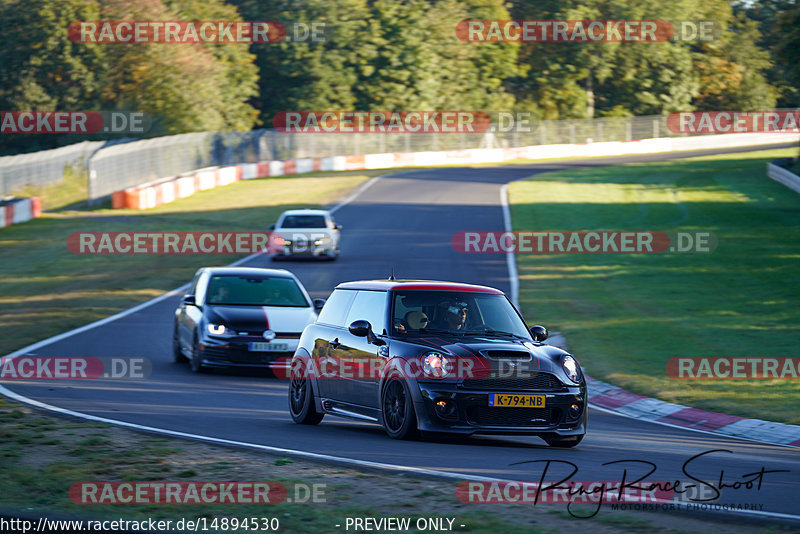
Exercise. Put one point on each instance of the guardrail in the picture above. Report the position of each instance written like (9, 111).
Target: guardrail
(163, 191)
(784, 176)
(19, 210)
(121, 164)
(132, 164)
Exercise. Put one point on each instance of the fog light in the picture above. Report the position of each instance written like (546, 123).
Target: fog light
(574, 411)
(445, 408)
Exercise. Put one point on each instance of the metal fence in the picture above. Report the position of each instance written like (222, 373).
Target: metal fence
(43, 168)
(117, 166)
(130, 164)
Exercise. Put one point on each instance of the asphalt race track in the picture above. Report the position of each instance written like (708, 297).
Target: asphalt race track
(403, 220)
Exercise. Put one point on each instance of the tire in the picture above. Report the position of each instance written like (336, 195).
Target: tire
(177, 354)
(397, 410)
(565, 443)
(301, 401)
(194, 362)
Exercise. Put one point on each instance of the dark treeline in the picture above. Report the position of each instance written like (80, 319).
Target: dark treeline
(391, 55)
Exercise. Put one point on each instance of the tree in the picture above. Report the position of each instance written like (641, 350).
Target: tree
(43, 69)
(732, 67)
(778, 23)
(186, 87)
(568, 80)
(381, 55)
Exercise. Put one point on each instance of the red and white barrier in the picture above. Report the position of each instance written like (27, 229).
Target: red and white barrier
(20, 210)
(157, 193)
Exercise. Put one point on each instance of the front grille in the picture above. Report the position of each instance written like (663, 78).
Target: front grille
(215, 352)
(518, 417)
(260, 334)
(520, 381)
(243, 356)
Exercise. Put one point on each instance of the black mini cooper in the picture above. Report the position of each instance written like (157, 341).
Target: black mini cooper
(435, 357)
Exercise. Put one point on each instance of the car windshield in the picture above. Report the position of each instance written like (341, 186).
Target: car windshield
(449, 312)
(303, 221)
(255, 291)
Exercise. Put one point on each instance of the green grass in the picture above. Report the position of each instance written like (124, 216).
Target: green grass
(625, 315)
(71, 190)
(46, 290)
(36, 478)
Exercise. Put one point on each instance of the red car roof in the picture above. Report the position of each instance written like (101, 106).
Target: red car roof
(418, 285)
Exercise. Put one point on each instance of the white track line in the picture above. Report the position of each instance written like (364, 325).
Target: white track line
(266, 448)
(513, 278)
(356, 193)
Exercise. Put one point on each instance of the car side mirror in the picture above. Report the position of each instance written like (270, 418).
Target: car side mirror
(271, 227)
(337, 226)
(189, 300)
(539, 333)
(362, 328)
(318, 304)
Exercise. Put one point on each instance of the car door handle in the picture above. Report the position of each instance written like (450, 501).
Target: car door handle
(335, 344)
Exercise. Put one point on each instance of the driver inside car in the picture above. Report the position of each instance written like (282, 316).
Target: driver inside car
(452, 316)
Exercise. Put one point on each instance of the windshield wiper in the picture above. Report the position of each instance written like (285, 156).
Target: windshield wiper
(489, 331)
(424, 331)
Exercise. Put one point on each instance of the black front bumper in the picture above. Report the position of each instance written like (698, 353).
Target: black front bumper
(237, 353)
(469, 411)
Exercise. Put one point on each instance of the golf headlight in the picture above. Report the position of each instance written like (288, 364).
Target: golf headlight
(216, 329)
(434, 365)
(571, 368)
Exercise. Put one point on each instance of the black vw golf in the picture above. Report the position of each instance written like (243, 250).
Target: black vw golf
(241, 317)
(435, 357)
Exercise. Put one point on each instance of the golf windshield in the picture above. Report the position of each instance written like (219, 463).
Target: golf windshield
(303, 221)
(255, 291)
(421, 312)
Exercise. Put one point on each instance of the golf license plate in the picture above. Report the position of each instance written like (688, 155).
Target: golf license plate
(511, 400)
(268, 347)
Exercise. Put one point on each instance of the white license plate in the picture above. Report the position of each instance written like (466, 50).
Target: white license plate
(268, 347)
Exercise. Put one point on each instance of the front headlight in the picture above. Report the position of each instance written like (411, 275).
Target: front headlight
(216, 329)
(435, 365)
(571, 368)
